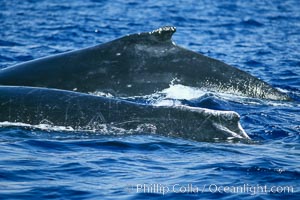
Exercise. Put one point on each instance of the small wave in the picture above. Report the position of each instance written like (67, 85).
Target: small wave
(5, 58)
(251, 22)
(253, 63)
(8, 43)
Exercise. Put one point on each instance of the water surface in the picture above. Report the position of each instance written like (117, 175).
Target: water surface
(260, 37)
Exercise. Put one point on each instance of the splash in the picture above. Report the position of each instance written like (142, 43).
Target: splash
(100, 129)
(175, 92)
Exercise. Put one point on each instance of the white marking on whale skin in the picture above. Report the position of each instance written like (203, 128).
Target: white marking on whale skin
(231, 133)
(155, 52)
(221, 119)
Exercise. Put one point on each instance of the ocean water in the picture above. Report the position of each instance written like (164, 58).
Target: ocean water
(260, 37)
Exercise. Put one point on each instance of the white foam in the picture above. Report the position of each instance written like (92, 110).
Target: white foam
(179, 91)
(102, 94)
(99, 129)
(167, 102)
(42, 126)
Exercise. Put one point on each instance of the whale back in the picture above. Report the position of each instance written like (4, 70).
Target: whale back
(135, 65)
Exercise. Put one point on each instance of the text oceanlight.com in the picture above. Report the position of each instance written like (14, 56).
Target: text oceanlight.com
(212, 188)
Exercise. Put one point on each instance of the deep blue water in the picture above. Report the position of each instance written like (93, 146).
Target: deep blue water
(261, 37)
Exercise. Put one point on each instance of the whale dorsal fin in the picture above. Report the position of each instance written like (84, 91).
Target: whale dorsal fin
(164, 33)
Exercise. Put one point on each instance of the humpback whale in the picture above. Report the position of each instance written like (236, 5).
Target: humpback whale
(34, 106)
(135, 65)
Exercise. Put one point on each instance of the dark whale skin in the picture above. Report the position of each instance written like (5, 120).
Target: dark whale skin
(81, 111)
(136, 65)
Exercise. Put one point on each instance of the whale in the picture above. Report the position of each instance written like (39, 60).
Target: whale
(81, 111)
(136, 65)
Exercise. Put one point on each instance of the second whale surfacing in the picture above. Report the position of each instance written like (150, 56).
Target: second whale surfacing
(81, 111)
(136, 65)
